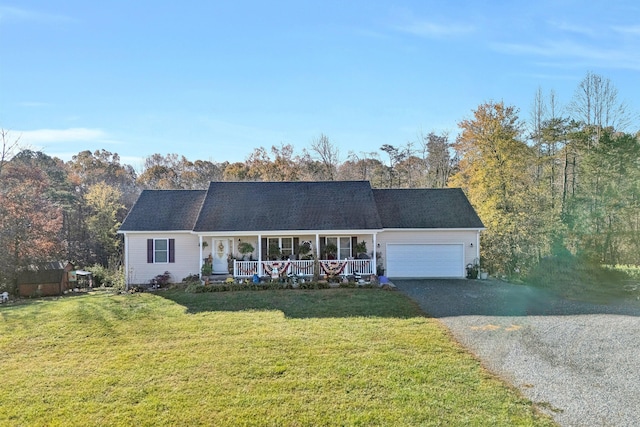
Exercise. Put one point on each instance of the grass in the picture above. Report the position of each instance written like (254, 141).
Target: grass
(633, 271)
(281, 358)
(578, 279)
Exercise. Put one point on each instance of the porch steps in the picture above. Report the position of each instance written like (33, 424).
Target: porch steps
(219, 277)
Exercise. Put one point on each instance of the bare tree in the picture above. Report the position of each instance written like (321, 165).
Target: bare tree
(9, 147)
(364, 166)
(328, 154)
(437, 159)
(596, 104)
(396, 155)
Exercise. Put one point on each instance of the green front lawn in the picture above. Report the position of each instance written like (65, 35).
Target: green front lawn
(298, 358)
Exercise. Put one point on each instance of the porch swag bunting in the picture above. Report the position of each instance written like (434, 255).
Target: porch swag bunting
(333, 268)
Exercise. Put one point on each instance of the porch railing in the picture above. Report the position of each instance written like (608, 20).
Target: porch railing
(303, 267)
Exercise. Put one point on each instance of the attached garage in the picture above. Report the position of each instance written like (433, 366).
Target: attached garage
(425, 260)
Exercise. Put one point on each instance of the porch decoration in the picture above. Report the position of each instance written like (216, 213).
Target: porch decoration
(282, 266)
(333, 268)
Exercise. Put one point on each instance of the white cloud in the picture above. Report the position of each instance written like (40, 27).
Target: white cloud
(55, 136)
(589, 31)
(33, 104)
(633, 30)
(569, 52)
(66, 143)
(9, 13)
(435, 30)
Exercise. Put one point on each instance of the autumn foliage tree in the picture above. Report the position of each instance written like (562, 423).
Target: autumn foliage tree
(104, 204)
(30, 223)
(494, 171)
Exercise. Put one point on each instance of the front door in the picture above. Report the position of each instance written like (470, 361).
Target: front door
(220, 253)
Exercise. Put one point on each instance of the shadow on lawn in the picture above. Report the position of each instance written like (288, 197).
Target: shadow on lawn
(321, 303)
(447, 298)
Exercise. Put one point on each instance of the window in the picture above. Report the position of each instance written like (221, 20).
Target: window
(344, 247)
(286, 247)
(342, 244)
(279, 247)
(161, 251)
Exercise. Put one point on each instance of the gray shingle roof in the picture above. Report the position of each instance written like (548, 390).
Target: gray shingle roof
(273, 206)
(269, 206)
(426, 208)
(164, 210)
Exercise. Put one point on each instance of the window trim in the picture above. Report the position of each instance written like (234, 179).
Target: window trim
(156, 250)
(340, 248)
(151, 250)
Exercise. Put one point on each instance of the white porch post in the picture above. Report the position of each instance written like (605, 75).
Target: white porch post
(200, 258)
(259, 255)
(375, 253)
(318, 245)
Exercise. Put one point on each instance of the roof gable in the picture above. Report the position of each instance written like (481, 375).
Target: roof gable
(164, 210)
(426, 208)
(271, 206)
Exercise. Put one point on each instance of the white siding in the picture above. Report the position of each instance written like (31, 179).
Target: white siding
(187, 254)
(466, 238)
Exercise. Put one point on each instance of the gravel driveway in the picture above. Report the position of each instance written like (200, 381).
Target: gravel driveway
(578, 362)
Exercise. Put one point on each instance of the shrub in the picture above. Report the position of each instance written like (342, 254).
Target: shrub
(100, 274)
(192, 278)
(314, 285)
(161, 280)
(112, 277)
(348, 284)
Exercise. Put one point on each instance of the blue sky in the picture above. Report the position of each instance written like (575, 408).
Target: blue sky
(213, 80)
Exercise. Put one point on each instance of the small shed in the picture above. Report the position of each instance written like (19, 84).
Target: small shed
(47, 279)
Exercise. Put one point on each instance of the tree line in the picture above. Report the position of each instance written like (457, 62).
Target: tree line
(566, 179)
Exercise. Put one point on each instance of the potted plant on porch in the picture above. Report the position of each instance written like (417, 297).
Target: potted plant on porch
(361, 250)
(245, 248)
(304, 250)
(331, 250)
(273, 252)
(207, 269)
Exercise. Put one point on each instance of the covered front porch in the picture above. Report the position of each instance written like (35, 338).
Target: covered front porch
(304, 268)
(279, 255)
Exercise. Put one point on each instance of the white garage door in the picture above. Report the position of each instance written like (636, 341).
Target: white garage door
(425, 260)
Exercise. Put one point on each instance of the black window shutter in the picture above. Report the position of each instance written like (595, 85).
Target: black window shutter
(296, 246)
(172, 250)
(149, 251)
(323, 243)
(354, 243)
